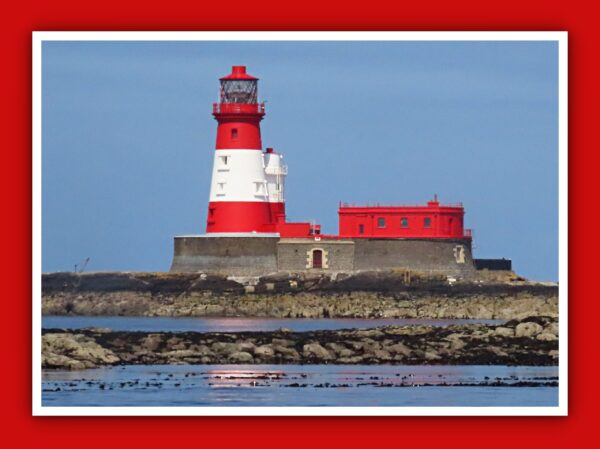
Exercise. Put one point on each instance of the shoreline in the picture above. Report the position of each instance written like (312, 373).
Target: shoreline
(358, 295)
(532, 342)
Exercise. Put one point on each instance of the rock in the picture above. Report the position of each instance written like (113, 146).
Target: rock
(99, 330)
(51, 360)
(317, 351)
(350, 360)
(202, 350)
(282, 342)
(264, 351)
(497, 351)
(339, 349)
(74, 351)
(551, 328)
(546, 336)
(213, 310)
(399, 348)
(457, 345)
(528, 329)
(240, 357)
(152, 341)
(456, 341)
(504, 332)
(432, 355)
(181, 353)
(221, 347)
(245, 346)
(381, 355)
(289, 354)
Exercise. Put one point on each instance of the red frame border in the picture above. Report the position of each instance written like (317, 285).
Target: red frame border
(464, 432)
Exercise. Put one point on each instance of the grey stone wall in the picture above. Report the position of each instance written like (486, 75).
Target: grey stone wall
(452, 256)
(255, 256)
(296, 254)
(249, 256)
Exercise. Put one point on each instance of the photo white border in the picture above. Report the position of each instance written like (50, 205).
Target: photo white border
(561, 37)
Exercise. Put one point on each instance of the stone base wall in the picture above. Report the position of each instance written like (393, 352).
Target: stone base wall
(297, 255)
(255, 256)
(246, 256)
(451, 256)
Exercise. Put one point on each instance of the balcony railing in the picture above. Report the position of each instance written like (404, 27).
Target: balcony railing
(365, 205)
(238, 108)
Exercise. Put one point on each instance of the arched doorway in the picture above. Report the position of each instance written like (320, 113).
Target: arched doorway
(317, 258)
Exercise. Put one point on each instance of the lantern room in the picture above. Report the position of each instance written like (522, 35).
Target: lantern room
(239, 87)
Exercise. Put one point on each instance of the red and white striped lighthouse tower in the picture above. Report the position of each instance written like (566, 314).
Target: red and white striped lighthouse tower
(246, 192)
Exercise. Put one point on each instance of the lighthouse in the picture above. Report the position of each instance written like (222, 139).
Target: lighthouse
(246, 192)
(247, 232)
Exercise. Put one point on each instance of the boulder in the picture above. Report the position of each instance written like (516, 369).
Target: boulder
(246, 346)
(151, 342)
(504, 332)
(221, 347)
(264, 351)
(432, 355)
(315, 350)
(546, 336)
(528, 329)
(282, 342)
(240, 357)
(288, 354)
(399, 348)
(551, 328)
(74, 351)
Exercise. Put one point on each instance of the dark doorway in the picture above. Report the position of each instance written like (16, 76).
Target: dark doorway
(317, 258)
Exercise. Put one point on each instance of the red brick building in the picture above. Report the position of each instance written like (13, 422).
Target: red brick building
(433, 220)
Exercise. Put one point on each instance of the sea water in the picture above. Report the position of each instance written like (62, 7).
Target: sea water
(213, 324)
(302, 385)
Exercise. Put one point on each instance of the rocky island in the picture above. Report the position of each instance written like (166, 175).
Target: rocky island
(529, 337)
(392, 294)
(532, 341)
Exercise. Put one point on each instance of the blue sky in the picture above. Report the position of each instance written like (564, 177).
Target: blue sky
(128, 140)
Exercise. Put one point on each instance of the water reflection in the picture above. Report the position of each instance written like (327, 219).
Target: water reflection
(310, 385)
(204, 324)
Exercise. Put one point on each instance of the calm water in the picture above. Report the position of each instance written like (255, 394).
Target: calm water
(297, 385)
(203, 324)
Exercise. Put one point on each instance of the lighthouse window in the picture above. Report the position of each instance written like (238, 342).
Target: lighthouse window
(404, 222)
(427, 222)
(224, 160)
(361, 228)
(234, 133)
(239, 91)
(381, 222)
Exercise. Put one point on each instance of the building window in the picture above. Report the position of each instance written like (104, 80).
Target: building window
(234, 133)
(404, 222)
(361, 228)
(381, 222)
(427, 222)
